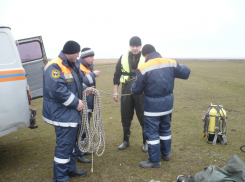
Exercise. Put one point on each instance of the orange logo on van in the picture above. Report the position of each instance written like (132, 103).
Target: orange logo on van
(55, 73)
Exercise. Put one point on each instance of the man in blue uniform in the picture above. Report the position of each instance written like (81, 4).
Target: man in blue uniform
(62, 103)
(89, 74)
(156, 79)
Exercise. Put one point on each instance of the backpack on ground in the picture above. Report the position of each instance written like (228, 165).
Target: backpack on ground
(215, 124)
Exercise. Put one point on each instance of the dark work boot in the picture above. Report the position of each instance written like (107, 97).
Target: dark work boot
(166, 158)
(125, 144)
(82, 159)
(78, 173)
(149, 164)
(88, 153)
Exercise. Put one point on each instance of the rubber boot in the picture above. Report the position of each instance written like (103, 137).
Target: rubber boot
(149, 164)
(166, 158)
(145, 145)
(125, 144)
(78, 173)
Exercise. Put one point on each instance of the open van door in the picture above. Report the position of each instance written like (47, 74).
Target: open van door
(15, 111)
(33, 58)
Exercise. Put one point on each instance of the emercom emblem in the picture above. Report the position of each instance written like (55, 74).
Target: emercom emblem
(55, 73)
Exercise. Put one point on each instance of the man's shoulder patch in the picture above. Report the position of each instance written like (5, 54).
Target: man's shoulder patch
(55, 73)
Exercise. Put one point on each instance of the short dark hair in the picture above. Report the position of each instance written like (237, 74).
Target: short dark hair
(147, 49)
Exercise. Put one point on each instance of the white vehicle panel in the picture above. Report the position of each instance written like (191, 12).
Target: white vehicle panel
(14, 105)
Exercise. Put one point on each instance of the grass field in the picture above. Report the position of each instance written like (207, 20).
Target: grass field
(27, 155)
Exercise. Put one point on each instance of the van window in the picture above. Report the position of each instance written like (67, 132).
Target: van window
(30, 51)
(7, 54)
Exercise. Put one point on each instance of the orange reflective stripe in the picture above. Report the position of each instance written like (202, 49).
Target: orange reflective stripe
(65, 70)
(12, 75)
(12, 79)
(84, 69)
(156, 61)
(11, 72)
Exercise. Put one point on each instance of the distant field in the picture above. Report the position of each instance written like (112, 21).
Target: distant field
(27, 155)
(104, 61)
(109, 61)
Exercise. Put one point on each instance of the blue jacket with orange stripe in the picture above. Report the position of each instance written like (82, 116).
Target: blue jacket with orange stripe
(88, 80)
(62, 89)
(156, 79)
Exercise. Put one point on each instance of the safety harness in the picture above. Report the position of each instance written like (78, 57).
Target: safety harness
(127, 72)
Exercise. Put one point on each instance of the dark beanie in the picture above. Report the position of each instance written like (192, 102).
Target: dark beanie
(87, 52)
(135, 41)
(147, 49)
(71, 47)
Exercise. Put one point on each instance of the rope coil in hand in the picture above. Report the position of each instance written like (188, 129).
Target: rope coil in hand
(95, 135)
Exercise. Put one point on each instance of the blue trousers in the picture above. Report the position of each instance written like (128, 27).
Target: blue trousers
(77, 150)
(158, 136)
(64, 163)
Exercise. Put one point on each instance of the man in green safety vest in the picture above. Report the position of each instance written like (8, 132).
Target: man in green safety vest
(125, 74)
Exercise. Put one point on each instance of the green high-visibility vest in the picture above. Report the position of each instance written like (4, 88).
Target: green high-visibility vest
(125, 66)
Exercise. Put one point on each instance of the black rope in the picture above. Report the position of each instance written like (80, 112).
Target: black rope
(242, 147)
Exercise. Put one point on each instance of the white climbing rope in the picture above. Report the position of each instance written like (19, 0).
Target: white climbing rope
(119, 94)
(95, 135)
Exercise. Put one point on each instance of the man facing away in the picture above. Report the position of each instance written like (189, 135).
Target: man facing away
(125, 74)
(156, 79)
(89, 74)
(62, 103)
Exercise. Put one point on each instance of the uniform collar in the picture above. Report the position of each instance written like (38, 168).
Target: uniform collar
(84, 63)
(152, 56)
(65, 60)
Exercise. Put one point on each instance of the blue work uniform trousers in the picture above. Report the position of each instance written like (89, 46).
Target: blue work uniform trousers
(64, 163)
(158, 136)
(77, 150)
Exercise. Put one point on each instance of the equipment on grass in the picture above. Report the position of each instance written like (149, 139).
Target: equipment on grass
(182, 178)
(215, 124)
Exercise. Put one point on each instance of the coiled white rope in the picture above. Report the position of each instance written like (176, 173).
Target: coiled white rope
(95, 135)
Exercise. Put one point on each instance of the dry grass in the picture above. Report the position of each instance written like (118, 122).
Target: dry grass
(27, 155)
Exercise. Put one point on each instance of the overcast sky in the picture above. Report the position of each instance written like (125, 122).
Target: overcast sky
(176, 28)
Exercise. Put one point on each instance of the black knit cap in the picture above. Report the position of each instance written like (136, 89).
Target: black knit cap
(87, 52)
(71, 47)
(147, 49)
(135, 41)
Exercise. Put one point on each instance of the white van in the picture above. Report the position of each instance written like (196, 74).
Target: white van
(21, 80)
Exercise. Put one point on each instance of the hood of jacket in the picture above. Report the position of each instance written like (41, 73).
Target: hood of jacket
(84, 63)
